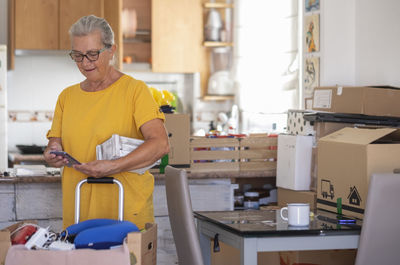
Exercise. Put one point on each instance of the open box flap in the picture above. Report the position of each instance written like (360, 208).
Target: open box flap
(360, 136)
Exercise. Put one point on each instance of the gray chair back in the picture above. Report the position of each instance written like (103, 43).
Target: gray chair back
(181, 217)
(380, 233)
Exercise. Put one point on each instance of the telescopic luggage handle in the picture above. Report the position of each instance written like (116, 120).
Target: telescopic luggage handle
(103, 180)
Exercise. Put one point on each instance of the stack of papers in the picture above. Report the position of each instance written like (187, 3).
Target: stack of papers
(30, 170)
(118, 146)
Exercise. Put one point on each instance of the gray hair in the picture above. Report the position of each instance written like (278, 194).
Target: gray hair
(89, 24)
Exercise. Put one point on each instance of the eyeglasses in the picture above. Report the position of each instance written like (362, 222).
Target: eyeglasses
(90, 55)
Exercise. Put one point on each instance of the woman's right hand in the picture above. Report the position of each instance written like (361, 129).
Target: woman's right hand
(51, 159)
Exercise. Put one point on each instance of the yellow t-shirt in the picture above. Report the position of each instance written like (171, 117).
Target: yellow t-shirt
(85, 119)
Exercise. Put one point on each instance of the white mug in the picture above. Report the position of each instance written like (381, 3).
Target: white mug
(298, 214)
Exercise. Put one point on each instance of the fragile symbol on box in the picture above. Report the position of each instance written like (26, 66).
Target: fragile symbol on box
(354, 197)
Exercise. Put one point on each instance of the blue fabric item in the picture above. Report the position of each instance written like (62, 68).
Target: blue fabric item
(74, 229)
(104, 237)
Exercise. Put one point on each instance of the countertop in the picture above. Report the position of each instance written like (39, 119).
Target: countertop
(18, 157)
(191, 175)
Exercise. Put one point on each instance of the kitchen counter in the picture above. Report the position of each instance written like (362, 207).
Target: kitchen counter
(18, 158)
(191, 175)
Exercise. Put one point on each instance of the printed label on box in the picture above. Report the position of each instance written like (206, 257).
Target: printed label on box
(322, 99)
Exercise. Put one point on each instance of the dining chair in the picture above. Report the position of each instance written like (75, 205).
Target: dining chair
(380, 231)
(181, 217)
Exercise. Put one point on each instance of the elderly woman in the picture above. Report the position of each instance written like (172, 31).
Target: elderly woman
(107, 102)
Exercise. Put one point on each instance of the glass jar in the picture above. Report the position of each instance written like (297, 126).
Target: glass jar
(221, 59)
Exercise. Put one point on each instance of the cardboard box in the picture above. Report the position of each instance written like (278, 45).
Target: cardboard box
(5, 242)
(178, 127)
(294, 162)
(324, 128)
(18, 255)
(286, 196)
(376, 101)
(229, 255)
(314, 169)
(297, 125)
(346, 160)
(142, 245)
(318, 257)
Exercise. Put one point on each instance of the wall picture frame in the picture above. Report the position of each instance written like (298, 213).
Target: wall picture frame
(311, 75)
(311, 5)
(311, 31)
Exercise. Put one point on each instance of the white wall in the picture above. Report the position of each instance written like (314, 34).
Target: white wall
(378, 42)
(337, 33)
(360, 42)
(34, 84)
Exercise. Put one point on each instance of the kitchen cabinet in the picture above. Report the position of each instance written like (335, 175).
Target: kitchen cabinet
(218, 32)
(36, 24)
(10, 35)
(176, 35)
(44, 24)
(136, 30)
(168, 35)
(70, 12)
(225, 12)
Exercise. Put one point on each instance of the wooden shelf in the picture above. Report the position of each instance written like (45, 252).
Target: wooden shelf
(141, 35)
(217, 97)
(218, 5)
(137, 40)
(224, 8)
(217, 44)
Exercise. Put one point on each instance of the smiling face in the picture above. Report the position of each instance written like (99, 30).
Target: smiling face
(94, 71)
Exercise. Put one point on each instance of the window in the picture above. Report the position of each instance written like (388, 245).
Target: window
(267, 60)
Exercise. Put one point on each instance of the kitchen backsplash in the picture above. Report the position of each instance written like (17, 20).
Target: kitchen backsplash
(30, 116)
(33, 88)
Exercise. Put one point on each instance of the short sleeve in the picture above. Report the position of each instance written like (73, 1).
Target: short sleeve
(55, 130)
(145, 107)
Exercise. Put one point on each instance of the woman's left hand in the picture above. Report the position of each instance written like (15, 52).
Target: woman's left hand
(97, 168)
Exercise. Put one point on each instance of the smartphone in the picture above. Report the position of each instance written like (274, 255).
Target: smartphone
(71, 160)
